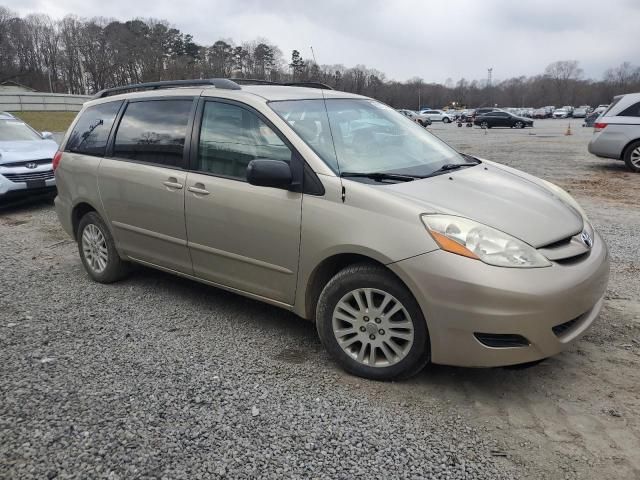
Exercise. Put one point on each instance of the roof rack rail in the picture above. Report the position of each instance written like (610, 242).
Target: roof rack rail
(256, 81)
(321, 86)
(223, 83)
(253, 81)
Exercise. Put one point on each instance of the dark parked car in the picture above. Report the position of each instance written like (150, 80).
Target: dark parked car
(485, 110)
(502, 119)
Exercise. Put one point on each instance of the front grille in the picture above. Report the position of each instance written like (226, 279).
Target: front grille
(502, 340)
(28, 177)
(22, 163)
(566, 327)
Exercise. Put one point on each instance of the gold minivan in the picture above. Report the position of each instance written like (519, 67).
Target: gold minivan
(338, 208)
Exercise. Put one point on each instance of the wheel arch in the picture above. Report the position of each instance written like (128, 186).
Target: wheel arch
(326, 270)
(623, 153)
(79, 210)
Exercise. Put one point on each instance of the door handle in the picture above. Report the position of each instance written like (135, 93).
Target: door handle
(172, 183)
(199, 189)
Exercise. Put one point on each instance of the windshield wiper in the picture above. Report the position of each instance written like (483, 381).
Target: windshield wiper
(379, 176)
(451, 166)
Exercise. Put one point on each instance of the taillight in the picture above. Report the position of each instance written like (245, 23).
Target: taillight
(56, 159)
(599, 126)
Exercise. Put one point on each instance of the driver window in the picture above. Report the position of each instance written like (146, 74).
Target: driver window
(232, 136)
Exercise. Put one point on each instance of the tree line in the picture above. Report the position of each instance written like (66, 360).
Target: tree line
(82, 56)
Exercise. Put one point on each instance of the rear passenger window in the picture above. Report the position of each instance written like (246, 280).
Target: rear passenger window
(632, 111)
(232, 136)
(91, 132)
(154, 131)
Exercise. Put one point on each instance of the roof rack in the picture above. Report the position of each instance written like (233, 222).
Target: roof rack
(255, 81)
(223, 83)
(321, 86)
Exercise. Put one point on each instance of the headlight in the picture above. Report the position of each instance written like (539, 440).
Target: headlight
(566, 198)
(474, 240)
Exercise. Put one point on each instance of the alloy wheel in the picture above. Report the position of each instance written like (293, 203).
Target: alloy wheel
(373, 327)
(635, 157)
(94, 247)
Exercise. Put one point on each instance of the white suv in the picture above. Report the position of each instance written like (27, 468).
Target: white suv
(25, 157)
(616, 133)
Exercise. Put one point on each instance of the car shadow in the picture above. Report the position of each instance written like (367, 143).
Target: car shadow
(25, 203)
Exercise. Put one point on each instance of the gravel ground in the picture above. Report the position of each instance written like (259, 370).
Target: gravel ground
(160, 377)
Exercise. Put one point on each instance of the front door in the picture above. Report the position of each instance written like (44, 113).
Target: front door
(239, 235)
(142, 184)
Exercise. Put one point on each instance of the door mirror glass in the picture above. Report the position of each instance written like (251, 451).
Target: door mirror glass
(47, 135)
(269, 173)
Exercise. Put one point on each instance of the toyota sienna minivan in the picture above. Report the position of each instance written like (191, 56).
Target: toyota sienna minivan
(336, 207)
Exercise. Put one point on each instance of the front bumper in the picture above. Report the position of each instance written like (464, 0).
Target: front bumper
(18, 184)
(460, 297)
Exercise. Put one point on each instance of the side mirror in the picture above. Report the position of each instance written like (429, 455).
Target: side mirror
(269, 173)
(47, 135)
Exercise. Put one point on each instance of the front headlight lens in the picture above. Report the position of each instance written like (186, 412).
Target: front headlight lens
(471, 239)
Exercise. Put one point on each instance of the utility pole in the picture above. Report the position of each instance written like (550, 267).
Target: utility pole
(489, 73)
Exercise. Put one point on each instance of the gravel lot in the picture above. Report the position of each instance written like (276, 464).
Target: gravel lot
(160, 377)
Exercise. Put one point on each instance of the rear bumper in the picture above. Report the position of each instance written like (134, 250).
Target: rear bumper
(607, 145)
(461, 297)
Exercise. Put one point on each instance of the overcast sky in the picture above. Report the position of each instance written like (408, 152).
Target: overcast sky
(435, 39)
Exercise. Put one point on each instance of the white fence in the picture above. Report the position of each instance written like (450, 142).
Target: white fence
(55, 102)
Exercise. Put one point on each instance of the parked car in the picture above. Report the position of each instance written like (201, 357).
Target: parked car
(502, 119)
(25, 158)
(591, 118)
(540, 113)
(316, 202)
(560, 113)
(467, 114)
(416, 117)
(483, 110)
(580, 112)
(616, 132)
(437, 115)
(569, 109)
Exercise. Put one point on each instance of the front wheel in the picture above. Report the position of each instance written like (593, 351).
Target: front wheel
(484, 125)
(98, 250)
(519, 124)
(632, 157)
(371, 325)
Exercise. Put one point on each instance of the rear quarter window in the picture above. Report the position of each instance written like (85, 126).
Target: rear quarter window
(91, 132)
(632, 111)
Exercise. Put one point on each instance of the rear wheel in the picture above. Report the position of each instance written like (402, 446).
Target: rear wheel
(632, 157)
(371, 324)
(446, 120)
(484, 125)
(98, 250)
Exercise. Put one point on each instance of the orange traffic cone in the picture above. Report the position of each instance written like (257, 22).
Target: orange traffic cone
(568, 132)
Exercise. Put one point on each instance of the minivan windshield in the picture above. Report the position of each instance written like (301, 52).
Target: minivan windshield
(366, 136)
(15, 130)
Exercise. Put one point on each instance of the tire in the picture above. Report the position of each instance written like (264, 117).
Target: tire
(98, 250)
(519, 124)
(384, 355)
(632, 157)
(446, 120)
(421, 123)
(484, 125)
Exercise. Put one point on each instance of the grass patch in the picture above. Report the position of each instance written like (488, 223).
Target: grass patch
(47, 121)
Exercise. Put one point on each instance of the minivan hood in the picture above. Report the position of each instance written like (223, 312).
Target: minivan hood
(27, 150)
(498, 198)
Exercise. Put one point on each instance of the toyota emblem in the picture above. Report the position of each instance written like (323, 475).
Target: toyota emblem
(31, 165)
(586, 239)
